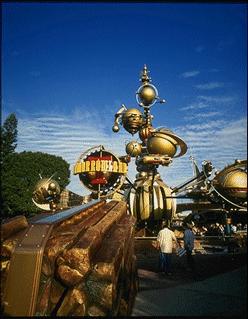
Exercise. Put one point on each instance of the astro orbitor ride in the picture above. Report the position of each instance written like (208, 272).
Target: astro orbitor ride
(149, 198)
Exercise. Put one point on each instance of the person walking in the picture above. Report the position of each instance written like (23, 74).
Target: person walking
(189, 239)
(165, 240)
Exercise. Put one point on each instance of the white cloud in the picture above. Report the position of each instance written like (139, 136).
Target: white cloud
(217, 99)
(203, 101)
(201, 115)
(220, 141)
(214, 124)
(193, 106)
(67, 137)
(209, 86)
(190, 74)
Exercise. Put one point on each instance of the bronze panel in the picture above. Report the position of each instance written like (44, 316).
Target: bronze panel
(24, 273)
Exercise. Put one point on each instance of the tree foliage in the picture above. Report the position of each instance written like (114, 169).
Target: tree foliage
(20, 173)
(9, 135)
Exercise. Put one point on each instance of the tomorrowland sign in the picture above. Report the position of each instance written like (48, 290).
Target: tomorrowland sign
(101, 171)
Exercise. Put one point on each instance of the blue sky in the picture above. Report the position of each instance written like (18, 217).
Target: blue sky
(67, 68)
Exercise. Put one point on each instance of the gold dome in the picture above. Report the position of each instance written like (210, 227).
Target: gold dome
(235, 183)
(236, 179)
(46, 189)
(165, 142)
(133, 149)
(132, 120)
(161, 145)
(147, 94)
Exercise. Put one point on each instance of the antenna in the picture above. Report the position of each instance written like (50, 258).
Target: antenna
(195, 168)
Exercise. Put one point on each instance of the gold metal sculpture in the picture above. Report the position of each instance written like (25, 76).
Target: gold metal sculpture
(132, 120)
(149, 199)
(46, 194)
(73, 263)
(226, 188)
(165, 142)
(133, 148)
(232, 181)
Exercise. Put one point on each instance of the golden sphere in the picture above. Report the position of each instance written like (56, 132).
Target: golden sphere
(235, 183)
(133, 149)
(115, 128)
(161, 144)
(45, 189)
(165, 142)
(147, 95)
(236, 179)
(132, 120)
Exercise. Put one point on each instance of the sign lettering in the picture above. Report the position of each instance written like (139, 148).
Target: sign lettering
(100, 166)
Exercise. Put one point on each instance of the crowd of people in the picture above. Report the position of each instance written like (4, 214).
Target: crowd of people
(218, 229)
(215, 229)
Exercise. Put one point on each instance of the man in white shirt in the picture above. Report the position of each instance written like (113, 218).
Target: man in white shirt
(165, 240)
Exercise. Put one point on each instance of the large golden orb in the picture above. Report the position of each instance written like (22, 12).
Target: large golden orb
(46, 190)
(132, 120)
(235, 183)
(147, 95)
(133, 148)
(165, 142)
(161, 145)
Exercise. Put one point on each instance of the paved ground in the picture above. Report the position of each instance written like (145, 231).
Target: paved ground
(220, 289)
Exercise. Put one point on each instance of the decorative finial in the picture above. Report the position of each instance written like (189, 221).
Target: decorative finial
(144, 76)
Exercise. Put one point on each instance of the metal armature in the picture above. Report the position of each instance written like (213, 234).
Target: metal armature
(149, 198)
(118, 115)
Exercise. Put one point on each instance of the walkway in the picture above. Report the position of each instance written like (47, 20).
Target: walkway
(220, 295)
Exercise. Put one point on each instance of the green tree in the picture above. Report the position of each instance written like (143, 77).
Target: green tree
(20, 173)
(9, 135)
